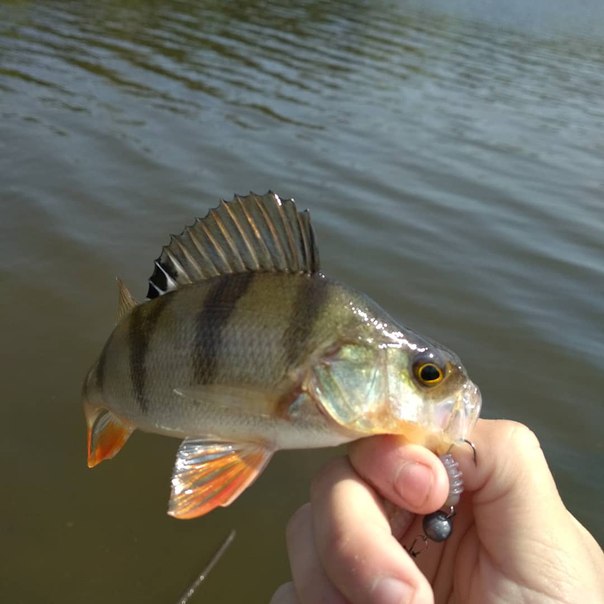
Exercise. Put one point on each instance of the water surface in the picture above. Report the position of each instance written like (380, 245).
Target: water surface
(452, 156)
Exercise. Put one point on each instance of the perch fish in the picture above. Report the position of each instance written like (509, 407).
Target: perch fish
(244, 347)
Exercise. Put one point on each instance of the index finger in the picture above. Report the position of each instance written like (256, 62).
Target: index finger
(355, 544)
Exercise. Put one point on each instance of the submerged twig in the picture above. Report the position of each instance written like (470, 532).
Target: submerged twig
(206, 571)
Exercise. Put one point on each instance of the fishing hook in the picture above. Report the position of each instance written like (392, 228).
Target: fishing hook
(473, 447)
(412, 551)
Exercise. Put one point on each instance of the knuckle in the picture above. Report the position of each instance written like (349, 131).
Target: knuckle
(326, 477)
(338, 547)
(285, 594)
(297, 522)
(522, 437)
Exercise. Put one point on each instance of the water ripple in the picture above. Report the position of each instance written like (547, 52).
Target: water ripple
(187, 55)
(454, 167)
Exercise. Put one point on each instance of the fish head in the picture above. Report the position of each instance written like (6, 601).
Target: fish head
(429, 388)
(406, 386)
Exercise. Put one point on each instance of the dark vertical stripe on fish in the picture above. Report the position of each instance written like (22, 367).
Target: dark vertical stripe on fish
(100, 369)
(311, 297)
(142, 322)
(218, 306)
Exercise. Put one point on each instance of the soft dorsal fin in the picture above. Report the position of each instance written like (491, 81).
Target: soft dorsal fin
(125, 301)
(261, 233)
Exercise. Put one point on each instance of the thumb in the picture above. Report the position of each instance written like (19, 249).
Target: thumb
(518, 513)
(511, 475)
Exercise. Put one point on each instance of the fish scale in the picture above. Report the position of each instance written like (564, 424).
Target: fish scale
(244, 348)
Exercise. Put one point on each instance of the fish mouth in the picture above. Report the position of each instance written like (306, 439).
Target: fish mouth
(456, 417)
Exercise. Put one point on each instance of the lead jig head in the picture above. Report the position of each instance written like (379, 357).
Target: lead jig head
(438, 526)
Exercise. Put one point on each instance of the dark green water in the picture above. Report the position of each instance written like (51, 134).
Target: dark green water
(453, 161)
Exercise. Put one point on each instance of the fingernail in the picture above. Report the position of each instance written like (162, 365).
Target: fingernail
(388, 590)
(413, 483)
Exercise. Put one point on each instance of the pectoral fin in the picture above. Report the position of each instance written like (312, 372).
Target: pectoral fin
(210, 473)
(107, 434)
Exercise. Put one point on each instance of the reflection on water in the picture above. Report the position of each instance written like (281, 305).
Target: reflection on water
(461, 150)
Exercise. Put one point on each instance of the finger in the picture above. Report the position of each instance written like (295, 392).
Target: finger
(399, 518)
(355, 545)
(285, 594)
(517, 510)
(408, 475)
(510, 465)
(310, 581)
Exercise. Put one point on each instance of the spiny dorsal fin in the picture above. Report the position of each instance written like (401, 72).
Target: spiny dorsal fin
(252, 233)
(125, 302)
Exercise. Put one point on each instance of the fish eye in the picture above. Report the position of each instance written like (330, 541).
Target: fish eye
(428, 373)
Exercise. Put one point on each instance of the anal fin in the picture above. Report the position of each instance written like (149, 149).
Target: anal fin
(107, 434)
(210, 473)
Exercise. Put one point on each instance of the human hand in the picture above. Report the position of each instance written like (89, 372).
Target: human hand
(513, 540)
